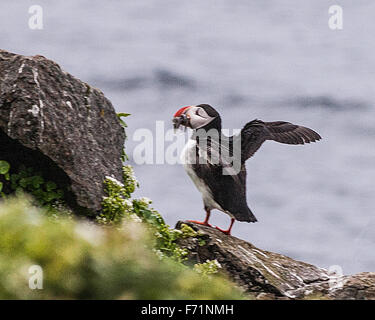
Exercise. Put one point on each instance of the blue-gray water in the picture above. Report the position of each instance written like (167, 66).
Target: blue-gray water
(272, 60)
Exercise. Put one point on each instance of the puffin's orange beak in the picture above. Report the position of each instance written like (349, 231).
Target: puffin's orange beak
(181, 111)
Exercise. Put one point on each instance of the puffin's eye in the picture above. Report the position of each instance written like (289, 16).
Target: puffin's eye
(199, 113)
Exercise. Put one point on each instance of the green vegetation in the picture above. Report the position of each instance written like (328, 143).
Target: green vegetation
(4, 171)
(83, 260)
(26, 180)
(188, 231)
(128, 252)
(208, 267)
(118, 205)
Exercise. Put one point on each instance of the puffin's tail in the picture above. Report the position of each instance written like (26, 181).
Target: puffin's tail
(246, 216)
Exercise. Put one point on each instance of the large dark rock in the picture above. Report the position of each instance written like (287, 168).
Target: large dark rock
(268, 275)
(59, 124)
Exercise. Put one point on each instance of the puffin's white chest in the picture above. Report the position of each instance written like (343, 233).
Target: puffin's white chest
(188, 157)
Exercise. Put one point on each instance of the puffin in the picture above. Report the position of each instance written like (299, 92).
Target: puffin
(211, 169)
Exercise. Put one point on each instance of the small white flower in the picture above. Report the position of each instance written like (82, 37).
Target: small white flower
(215, 262)
(128, 203)
(114, 181)
(145, 200)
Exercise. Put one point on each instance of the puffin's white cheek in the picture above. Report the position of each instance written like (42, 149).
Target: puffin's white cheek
(197, 122)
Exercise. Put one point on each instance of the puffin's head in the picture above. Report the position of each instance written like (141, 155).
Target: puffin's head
(196, 117)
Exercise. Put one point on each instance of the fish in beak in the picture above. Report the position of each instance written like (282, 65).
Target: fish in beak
(181, 119)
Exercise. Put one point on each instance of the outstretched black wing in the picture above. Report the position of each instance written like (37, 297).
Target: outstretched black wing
(256, 132)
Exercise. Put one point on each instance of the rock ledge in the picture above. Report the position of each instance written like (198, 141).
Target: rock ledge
(268, 275)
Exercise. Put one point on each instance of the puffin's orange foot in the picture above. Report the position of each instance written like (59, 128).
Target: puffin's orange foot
(227, 232)
(203, 223)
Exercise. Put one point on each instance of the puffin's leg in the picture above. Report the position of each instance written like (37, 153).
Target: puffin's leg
(229, 230)
(205, 222)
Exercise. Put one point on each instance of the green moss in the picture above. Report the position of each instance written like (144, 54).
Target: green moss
(202, 242)
(187, 231)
